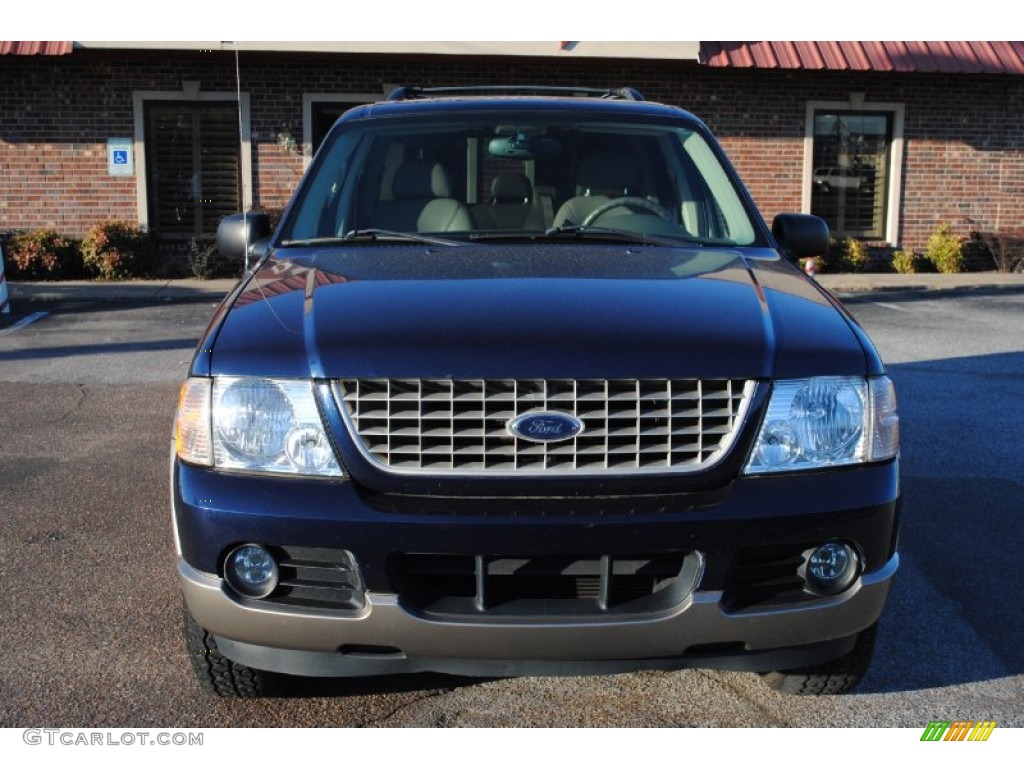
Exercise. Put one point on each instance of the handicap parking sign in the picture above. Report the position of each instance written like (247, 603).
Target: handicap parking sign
(119, 157)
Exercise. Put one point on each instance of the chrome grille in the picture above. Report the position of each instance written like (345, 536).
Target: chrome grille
(460, 426)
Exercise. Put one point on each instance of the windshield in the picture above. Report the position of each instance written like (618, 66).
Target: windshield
(518, 175)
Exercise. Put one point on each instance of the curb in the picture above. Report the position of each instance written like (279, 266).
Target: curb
(846, 283)
(139, 290)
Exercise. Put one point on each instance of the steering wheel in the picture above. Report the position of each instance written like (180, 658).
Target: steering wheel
(635, 202)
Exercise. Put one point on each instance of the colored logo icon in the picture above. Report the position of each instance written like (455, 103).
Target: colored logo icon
(958, 730)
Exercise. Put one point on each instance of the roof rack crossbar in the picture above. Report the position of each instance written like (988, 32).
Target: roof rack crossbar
(404, 92)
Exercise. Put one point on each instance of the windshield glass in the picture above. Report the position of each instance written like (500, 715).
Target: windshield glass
(518, 175)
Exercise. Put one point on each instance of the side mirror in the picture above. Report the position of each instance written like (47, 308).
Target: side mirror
(800, 235)
(238, 230)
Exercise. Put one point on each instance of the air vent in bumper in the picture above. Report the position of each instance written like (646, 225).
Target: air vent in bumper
(317, 578)
(766, 576)
(549, 585)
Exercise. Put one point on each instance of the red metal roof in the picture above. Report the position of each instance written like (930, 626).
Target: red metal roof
(994, 58)
(36, 48)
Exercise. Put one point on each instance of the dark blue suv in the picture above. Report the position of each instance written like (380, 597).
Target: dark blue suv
(522, 384)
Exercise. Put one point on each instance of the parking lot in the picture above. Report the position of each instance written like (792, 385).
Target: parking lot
(91, 609)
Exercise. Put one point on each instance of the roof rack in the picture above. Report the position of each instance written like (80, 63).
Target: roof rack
(404, 92)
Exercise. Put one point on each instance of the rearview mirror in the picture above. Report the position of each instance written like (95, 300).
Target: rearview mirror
(800, 235)
(521, 145)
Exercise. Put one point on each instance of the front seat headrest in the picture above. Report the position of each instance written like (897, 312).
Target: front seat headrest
(421, 179)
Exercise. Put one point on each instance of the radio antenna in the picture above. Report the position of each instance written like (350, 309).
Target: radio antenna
(238, 95)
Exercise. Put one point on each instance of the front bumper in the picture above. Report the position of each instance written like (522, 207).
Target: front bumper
(384, 638)
(216, 511)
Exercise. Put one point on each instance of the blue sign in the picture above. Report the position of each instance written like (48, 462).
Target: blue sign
(119, 157)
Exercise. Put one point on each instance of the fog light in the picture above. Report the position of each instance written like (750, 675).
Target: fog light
(832, 567)
(251, 571)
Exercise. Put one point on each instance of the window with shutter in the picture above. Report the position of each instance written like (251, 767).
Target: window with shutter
(851, 171)
(193, 164)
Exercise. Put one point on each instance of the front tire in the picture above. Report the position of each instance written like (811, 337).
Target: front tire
(831, 677)
(216, 673)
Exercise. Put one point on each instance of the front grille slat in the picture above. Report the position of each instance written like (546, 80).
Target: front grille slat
(461, 425)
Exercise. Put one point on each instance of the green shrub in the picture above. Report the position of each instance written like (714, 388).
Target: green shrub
(115, 249)
(847, 255)
(945, 250)
(855, 255)
(43, 254)
(906, 262)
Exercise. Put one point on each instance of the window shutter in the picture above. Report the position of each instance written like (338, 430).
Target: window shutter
(170, 146)
(220, 166)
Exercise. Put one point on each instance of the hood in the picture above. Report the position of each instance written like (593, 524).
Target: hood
(536, 311)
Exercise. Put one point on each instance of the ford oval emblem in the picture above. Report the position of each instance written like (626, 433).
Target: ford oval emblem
(545, 426)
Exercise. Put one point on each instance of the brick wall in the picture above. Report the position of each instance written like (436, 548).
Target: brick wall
(963, 140)
(963, 154)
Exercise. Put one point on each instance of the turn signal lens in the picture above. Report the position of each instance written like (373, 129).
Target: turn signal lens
(886, 434)
(193, 441)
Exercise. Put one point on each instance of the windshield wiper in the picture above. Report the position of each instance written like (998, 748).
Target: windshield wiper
(583, 232)
(372, 236)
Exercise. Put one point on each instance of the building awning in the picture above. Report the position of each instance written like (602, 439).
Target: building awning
(36, 48)
(669, 51)
(993, 58)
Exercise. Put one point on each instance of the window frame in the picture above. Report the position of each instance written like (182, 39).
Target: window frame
(857, 104)
(190, 91)
(204, 220)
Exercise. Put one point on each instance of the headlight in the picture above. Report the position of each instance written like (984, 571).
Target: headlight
(825, 422)
(257, 425)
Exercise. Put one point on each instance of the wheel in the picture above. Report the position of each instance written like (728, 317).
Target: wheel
(636, 202)
(830, 678)
(216, 673)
